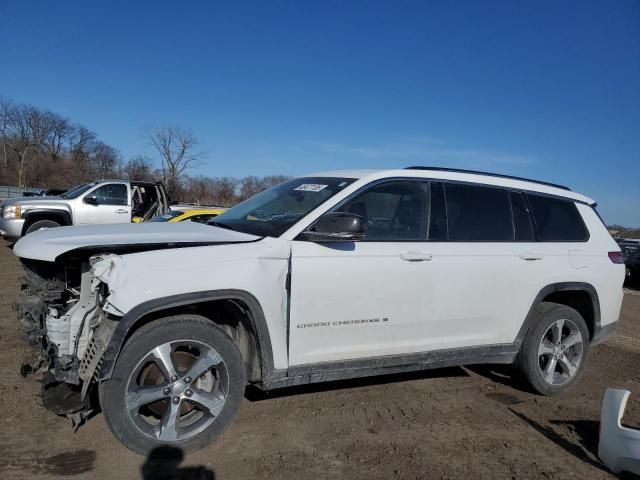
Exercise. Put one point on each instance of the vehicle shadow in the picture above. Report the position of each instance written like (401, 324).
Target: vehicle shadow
(163, 464)
(502, 374)
(586, 430)
(254, 394)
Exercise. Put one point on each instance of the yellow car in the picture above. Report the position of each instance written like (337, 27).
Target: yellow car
(200, 215)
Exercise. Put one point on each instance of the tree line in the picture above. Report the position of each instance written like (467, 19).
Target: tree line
(40, 148)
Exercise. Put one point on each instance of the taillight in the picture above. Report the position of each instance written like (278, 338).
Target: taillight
(616, 257)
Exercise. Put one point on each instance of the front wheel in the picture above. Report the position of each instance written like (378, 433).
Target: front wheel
(555, 349)
(178, 381)
(41, 224)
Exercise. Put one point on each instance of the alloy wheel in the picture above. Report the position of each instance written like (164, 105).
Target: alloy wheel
(560, 352)
(177, 390)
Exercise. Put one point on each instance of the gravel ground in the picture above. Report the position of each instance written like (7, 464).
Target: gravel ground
(473, 422)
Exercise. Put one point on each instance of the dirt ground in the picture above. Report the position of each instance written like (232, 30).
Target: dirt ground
(443, 424)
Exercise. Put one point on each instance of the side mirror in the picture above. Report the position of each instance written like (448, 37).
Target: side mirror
(337, 227)
(91, 200)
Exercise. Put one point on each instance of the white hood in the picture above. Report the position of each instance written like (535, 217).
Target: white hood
(48, 244)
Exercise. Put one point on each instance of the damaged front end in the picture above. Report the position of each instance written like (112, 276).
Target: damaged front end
(64, 313)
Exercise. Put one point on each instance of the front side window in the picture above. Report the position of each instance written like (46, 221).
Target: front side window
(557, 220)
(274, 211)
(478, 214)
(393, 211)
(111, 194)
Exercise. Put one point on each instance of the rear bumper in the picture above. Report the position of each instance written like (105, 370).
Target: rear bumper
(602, 332)
(11, 229)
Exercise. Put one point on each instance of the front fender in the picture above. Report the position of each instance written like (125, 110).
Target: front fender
(254, 273)
(128, 321)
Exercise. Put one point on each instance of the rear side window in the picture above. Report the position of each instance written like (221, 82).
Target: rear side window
(522, 218)
(557, 220)
(478, 214)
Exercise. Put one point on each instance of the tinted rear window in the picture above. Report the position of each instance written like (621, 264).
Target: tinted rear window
(557, 220)
(478, 214)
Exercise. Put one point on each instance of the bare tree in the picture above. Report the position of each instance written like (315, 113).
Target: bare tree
(28, 129)
(57, 132)
(139, 168)
(177, 149)
(106, 159)
(250, 186)
(6, 112)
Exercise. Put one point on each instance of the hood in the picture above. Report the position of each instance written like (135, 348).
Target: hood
(26, 200)
(48, 244)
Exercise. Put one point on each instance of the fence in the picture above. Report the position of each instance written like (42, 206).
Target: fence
(13, 192)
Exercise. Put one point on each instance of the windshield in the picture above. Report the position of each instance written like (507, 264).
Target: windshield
(75, 192)
(274, 211)
(165, 217)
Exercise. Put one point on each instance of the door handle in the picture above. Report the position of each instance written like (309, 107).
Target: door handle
(121, 210)
(416, 256)
(530, 256)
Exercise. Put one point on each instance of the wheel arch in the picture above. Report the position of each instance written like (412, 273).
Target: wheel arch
(30, 217)
(207, 304)
(580, 296)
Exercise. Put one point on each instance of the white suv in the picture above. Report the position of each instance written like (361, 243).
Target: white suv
(336, 275)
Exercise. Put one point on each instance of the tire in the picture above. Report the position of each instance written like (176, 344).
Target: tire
(40, 224)
(134, 426)
(539, 349)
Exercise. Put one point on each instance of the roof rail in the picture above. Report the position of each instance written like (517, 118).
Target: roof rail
(488, 174)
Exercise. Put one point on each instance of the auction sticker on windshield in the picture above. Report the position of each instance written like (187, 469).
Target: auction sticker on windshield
(311, 187)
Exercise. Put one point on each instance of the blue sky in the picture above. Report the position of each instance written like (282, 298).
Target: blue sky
(544, 89)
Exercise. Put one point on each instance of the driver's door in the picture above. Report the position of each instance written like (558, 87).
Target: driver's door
(108, 203)
(368, 298)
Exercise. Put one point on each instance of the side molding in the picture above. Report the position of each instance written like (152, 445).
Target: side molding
(125, 324)
(390, 364)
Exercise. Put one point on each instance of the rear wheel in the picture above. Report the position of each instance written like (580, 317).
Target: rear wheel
(555, 349)
(40, 224)
(178, 381)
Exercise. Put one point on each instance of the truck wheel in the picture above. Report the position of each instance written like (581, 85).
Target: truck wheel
(555, 349)
(40, 224)
(178, 381)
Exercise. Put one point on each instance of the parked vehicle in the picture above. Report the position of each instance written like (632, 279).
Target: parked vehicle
(631, 253)
(52, 192)
(200, 215)
(336, 275)
(104, 201)
(183, 207)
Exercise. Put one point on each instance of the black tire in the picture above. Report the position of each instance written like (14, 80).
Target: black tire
(528, 360)
(148, 337)
(40, 224)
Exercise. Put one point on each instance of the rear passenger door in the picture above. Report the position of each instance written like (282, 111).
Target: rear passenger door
(488, 265)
